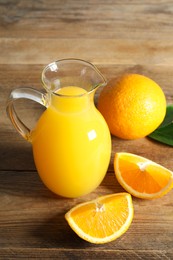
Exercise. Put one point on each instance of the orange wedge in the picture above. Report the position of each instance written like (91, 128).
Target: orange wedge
(141, 177)
(102, 220)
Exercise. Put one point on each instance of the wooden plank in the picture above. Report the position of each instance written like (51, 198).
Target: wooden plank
(88, 254)
(86, 19)
(99, 51)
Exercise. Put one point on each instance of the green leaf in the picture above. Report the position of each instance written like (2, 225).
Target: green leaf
(164, 133)
(169, 116)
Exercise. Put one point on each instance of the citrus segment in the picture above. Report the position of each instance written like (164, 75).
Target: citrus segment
(103, 219)
(141, 177)
(132, 105)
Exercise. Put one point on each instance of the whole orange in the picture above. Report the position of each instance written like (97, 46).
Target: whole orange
(132, 105)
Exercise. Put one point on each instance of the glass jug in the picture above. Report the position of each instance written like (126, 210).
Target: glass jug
(71, 141)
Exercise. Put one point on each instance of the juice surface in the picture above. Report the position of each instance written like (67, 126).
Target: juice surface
(71, 144)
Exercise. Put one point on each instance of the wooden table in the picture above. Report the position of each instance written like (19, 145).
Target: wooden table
(117, 36)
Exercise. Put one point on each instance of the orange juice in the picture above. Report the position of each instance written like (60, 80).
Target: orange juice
(71, 143)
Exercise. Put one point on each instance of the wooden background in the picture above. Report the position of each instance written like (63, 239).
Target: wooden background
(118, 36)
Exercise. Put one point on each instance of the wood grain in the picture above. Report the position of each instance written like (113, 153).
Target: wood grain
(115, 51)
(118, 37)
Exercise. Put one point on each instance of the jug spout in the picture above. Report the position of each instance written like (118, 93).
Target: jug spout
(97, 77)
(72, 72)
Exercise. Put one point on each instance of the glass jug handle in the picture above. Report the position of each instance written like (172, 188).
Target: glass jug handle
(23, 93)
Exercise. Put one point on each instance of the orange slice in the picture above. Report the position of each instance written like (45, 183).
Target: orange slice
(102, 220)
(141, 177)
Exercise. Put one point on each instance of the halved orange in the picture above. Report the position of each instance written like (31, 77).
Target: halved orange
(102, 220)
(142, 177)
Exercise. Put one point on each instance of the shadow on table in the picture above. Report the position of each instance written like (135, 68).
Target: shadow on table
(55, 232)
